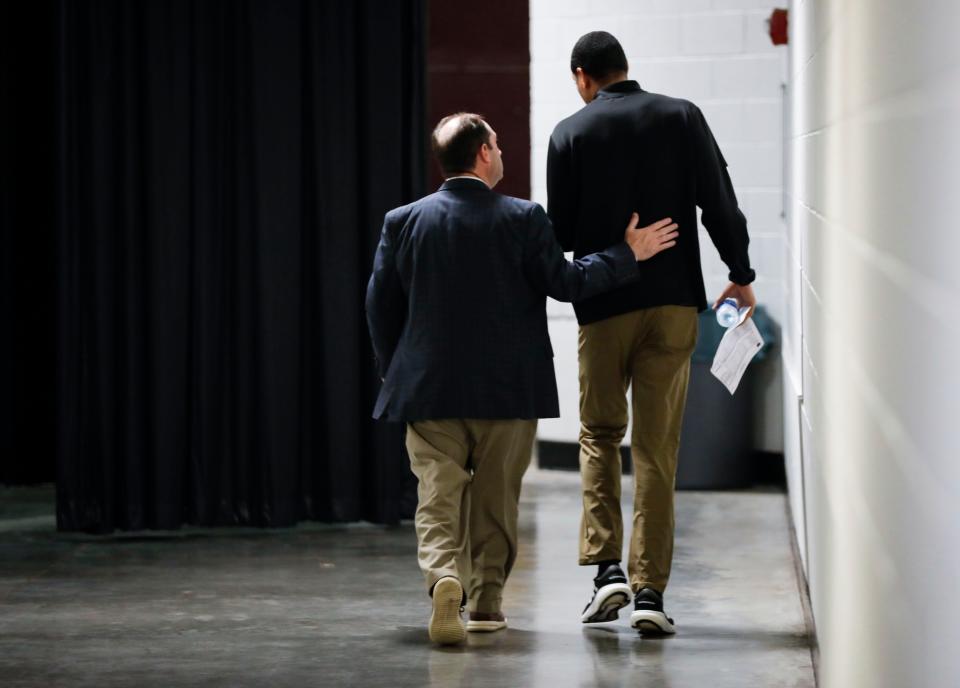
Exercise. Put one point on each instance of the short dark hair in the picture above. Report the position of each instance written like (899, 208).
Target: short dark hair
(457, 152)
(598, 54)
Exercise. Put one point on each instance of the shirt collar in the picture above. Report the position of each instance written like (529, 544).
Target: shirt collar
(464, 182)
(620, 87)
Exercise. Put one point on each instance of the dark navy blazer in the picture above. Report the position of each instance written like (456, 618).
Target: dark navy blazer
(456, 304)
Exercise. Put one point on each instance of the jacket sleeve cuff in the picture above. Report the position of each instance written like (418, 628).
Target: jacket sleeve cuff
(742, 277)
(624, 262)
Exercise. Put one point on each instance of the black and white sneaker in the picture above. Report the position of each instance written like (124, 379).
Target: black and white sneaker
(610, 594)
(648, 616)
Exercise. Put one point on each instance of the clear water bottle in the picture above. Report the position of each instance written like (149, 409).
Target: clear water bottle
(728, 314)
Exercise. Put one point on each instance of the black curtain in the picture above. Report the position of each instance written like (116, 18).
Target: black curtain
(224, 170)
(27, 241)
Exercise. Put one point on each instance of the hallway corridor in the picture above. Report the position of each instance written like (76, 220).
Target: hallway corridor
(343, 606)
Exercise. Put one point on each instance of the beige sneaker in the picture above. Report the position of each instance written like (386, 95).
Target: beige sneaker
(446, 626)
(482, 622)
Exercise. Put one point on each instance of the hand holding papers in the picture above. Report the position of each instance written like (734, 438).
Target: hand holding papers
(737, 348)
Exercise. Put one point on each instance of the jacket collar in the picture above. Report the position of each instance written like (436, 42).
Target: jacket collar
(619, 88)
(458, 183)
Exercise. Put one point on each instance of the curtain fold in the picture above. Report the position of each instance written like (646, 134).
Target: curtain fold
(224, 170)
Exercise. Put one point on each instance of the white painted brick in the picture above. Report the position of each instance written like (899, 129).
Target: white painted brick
(747, 4)
(764, 210)
(544, 46)
(600, 7)
(553, 84)
(560, 8)
(570, 32)
(552, 113)
(762, 122)
(538, 175)
(770, 294)
(744, 197)
(757, 33)
(650, 36)
(754, 164)
(726, 120)
(713, 267)
(544, 118)
(691, 79)
(611, 23)
(711, 34)
(565, 34)
(766, 256)
(757, 77)
(665, 6)
(539, 9)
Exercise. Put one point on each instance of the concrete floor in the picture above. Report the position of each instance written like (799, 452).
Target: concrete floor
(344, 606)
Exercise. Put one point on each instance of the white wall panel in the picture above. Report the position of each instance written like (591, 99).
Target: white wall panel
(871, 298)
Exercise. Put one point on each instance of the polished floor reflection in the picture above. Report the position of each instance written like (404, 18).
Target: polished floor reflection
(344, 606)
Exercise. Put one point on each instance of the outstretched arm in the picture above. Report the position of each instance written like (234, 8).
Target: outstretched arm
(564, 280)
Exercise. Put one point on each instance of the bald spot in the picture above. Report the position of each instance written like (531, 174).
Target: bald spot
(449, 128)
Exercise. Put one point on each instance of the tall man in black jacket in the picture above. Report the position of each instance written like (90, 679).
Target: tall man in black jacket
(632, 150)
(456, 307)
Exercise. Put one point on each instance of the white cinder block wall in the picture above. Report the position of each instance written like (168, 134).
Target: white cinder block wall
(873, 334)
(716, 53)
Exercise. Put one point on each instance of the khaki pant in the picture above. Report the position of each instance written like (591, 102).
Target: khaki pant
(649, 350)
(469, 474)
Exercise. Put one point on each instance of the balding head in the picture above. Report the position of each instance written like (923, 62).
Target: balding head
(456, 141)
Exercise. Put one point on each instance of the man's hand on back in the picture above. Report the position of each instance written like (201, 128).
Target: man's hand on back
(648, 241)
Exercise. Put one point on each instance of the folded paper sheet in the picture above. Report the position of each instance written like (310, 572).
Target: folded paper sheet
(737, 348)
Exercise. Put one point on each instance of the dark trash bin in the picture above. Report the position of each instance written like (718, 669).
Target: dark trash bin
(716, 440)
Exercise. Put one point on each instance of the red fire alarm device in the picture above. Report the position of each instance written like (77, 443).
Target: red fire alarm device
(777, 24)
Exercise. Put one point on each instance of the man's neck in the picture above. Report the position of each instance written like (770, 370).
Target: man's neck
(611, 80)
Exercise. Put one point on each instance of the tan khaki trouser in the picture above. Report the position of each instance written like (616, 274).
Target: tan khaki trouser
(649, 349)
(470, 473)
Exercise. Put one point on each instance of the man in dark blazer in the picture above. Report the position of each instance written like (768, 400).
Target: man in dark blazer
(456, 307)
(627, 150)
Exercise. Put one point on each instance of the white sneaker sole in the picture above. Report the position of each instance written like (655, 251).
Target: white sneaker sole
(486, 626)
(651, 622)
(607, 603)
(446, 626)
